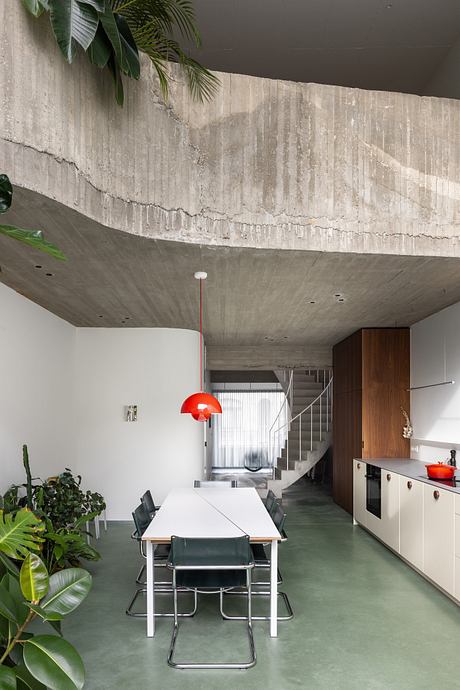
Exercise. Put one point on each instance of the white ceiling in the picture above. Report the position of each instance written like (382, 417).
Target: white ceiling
(394, 45)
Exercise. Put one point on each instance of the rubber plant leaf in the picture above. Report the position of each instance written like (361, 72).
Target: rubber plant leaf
(74, 21)
(34, 578)
(26, 681)
(7, 678)
(20, 533)
(54, 662)
(8, 608)
(67, 589)
(6, 193)
(34, 238)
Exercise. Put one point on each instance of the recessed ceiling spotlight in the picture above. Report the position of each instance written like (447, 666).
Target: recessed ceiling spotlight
(101, 316)
(337, 294)
(38, 266)
(341, 299)
(312, 301)
(49, 274)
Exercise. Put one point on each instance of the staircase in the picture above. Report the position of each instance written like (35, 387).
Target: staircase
(308, 435)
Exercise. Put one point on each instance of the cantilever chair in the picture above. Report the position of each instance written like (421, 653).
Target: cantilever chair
(199, 484)
(269, 500)
(141, 522)
(262, 561)
(211, 566)
(149, 504)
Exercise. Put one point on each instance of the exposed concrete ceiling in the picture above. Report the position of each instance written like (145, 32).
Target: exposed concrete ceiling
(262, 307)
(393, 45)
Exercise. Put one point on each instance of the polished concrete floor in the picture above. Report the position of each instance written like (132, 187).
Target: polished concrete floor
(363, 619)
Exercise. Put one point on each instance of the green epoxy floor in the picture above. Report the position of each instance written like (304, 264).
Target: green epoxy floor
(363, 619)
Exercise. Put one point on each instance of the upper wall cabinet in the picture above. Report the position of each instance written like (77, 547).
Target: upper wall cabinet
(371, 378)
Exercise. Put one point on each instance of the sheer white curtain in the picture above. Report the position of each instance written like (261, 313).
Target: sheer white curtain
(241, 432)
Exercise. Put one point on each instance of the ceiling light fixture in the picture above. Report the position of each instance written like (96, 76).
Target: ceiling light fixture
(201, 405)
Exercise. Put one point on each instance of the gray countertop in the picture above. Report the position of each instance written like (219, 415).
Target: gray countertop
(413, 469)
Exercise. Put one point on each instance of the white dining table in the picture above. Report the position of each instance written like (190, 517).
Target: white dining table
(213, 512)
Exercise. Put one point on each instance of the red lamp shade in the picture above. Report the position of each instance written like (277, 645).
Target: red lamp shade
(201, 406)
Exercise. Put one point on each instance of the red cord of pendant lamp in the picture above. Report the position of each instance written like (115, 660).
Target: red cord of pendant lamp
(201, 405)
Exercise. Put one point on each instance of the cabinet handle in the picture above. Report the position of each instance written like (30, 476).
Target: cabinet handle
(435, 495)
(388, 477)
(409, 485)
(359, 465)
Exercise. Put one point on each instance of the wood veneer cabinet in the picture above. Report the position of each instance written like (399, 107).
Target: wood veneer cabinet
(371, 377)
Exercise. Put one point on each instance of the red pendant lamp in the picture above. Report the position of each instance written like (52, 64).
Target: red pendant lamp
(201, 405)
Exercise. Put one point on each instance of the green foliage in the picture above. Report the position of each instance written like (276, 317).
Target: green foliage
(112, 32)
(34, 238)
(63, 502)
(39, 661)
(62, 511)
(20, 533)
(6, 193)
(33, 578)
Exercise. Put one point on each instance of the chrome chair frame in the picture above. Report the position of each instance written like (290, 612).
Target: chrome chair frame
(162, 586)
(264, 564)
(213, 590)
(207, 484)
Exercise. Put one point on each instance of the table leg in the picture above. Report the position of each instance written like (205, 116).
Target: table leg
(274, 589)
(150, 589)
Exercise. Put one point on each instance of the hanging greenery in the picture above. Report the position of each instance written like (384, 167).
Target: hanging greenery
(33, 238)
(112, 32)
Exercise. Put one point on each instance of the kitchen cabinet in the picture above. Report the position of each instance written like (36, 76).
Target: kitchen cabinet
(420, 521)
(389, 522)
(411, 521)
(359, 492)
(371, 378)
(438, 536)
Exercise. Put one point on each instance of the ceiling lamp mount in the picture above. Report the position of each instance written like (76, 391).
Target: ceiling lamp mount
(201, 405)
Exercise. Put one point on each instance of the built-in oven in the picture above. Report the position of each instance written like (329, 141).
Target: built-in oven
(374, 490)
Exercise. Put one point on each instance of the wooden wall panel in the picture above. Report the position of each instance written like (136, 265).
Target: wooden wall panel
(386, 378)
(371, 375)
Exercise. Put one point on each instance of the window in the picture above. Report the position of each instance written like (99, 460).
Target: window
(241, 434)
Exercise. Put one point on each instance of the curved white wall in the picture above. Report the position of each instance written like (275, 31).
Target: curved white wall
(36, 380)
(155, 369)
(64, 390)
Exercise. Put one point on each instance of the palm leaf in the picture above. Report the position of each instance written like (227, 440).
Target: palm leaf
(153, 23)
(20, 533)
(34, 238)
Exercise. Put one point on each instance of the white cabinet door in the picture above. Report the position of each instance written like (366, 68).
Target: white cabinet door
(457, 578)
(438, 542)
(411, 521)
(389, 523)
(359, 492)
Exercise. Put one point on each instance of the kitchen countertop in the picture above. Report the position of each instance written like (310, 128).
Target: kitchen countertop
(413, 469)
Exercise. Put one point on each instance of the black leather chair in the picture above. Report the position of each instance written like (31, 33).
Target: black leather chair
(262, 562)
(141, 521)
(211, 566)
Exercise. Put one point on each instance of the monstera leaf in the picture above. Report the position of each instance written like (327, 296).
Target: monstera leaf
(6, 193)
(34, 238)
(20, 533)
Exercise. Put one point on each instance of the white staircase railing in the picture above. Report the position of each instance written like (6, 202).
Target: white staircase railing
(280, 435)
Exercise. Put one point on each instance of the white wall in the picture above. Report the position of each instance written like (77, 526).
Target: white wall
(63, 392)
(155, 369)
(435, 357)
(36, 380)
